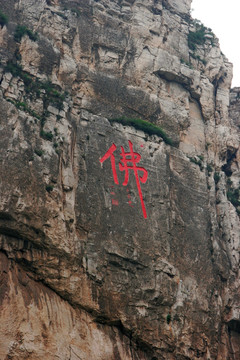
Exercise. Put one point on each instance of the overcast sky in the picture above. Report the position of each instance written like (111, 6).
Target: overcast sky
(223, 18)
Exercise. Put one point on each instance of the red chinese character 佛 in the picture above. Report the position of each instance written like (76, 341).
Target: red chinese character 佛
(128, 161)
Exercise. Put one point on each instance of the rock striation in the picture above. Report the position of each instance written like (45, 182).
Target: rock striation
(114, 243)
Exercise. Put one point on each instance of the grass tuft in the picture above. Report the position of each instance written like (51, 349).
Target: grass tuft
(145, 126)
(3, 19)
(22, 30)
(46, 135)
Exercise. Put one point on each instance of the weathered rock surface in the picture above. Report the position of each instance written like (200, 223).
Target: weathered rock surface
(102, 265)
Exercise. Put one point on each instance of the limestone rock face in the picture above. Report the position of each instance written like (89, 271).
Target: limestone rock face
(115, 244)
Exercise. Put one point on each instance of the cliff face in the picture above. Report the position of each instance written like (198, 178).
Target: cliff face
(114, 243)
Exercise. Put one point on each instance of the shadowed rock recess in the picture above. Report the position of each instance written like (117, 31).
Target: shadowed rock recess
(115, 243)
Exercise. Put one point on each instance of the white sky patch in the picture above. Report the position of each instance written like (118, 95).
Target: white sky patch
(223, 18)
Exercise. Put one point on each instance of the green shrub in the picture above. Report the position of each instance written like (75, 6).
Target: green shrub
(73, 10)
(46, 135)
(229, 182)
(196, 37)
(39, 152)
(197, 161)
(47, 85)
(17, 55)
(61, 15)
(11, 101)
(52, 95)
(22, 30)
(22, 105)
(169, 318)
(3, 19)
(27, 80)
(182, 61)
(233, 197)
(197, 57)
(76, 11)
(216, 177)
(33, 87)
(145, 126)
(209, 169)
(34, 114)
(13, 68)
(49, 188)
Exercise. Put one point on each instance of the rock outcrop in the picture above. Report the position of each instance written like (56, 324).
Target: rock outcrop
(116, 244)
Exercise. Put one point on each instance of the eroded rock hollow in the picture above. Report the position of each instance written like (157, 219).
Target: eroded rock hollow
(119, 240)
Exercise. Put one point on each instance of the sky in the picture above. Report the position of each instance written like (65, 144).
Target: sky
(223, 18)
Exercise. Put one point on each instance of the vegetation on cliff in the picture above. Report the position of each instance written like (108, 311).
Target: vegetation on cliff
(145, 126)
(3, 19)
(22, 30)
